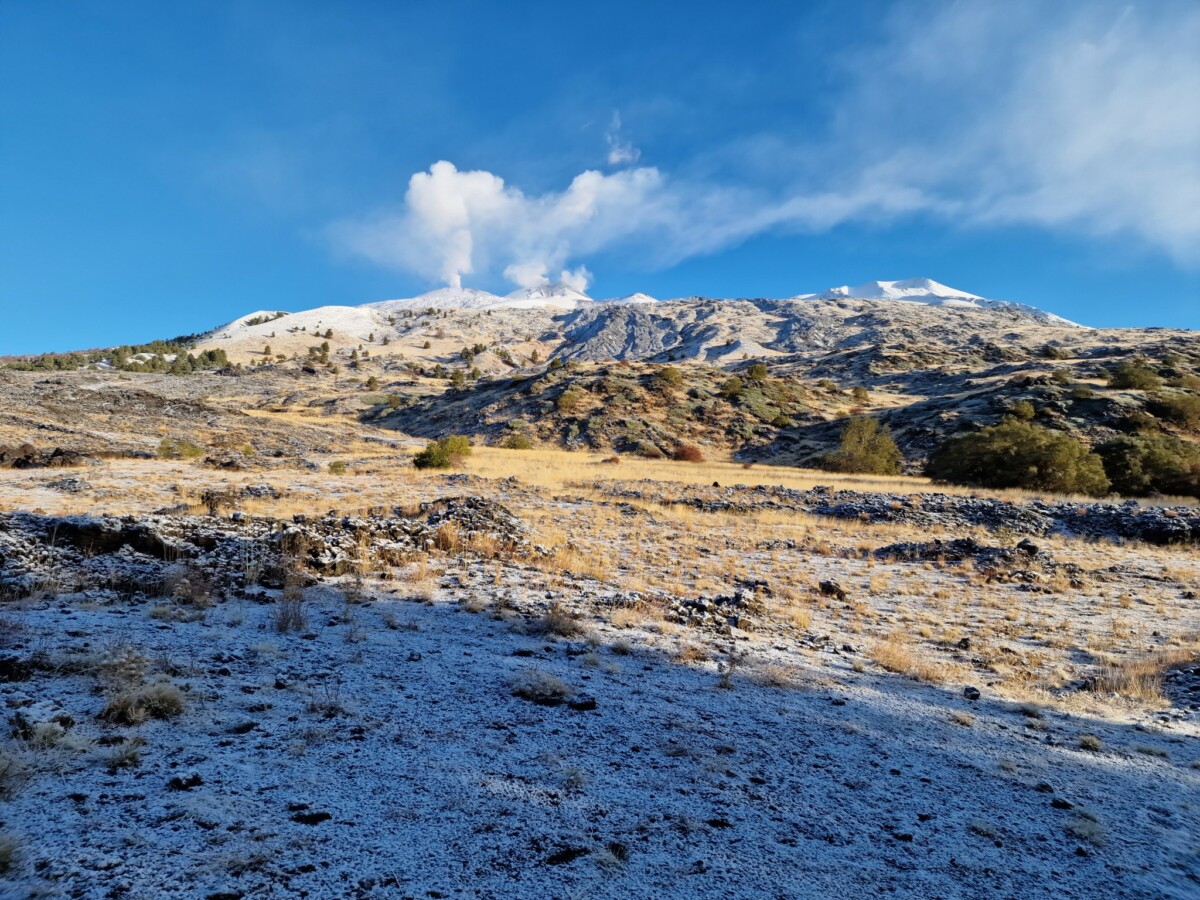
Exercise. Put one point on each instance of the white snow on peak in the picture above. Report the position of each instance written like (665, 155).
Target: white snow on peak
(911, 288)
(929, 292)
(558, 295)
(442, 298)
(546, 295)
(346, 321)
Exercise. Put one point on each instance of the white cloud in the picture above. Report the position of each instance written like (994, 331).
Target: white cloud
(620, 151)
(1078, 118)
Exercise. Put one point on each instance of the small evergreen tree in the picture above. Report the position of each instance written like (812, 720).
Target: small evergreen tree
(866, 446)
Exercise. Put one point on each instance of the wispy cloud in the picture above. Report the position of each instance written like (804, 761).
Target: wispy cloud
(1076, 118)
(621, 152)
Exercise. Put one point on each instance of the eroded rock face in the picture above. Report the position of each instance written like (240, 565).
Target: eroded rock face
(133, 555)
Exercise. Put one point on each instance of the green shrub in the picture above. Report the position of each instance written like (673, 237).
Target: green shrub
(443, 454)
(1133, 374)
(866, 446)
(1021, 455)
(1141, 464)
(517, 442)
(1022, 410)
(178, 448)
(860, 394)
(337, 468)
(1180, 409)
(732, 388)
(570, 399)
(670, 375)
(1139, 421)
(757, 372)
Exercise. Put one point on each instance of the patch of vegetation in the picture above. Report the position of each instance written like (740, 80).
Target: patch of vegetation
(161, 700)
(443, 454)
(1019, 454)
(866, 446)
(1179, 409)
(178, 448)
(1133, 374)
(1148, 463)
(517, 442)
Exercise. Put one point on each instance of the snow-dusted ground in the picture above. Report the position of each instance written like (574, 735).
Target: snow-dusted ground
(382, 754)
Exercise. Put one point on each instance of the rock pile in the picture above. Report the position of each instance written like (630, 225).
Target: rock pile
(136, 556)
(1023, 564)
(27, 456)
(1120, 521)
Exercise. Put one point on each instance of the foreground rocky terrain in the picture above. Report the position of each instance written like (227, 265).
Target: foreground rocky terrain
(612, 679)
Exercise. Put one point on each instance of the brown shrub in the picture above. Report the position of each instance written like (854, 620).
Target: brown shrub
(688, 453)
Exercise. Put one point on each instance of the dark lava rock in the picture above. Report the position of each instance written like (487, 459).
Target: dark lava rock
(311, 818)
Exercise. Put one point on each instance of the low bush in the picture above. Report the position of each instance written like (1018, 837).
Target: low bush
(517, 442)
(688, 453)
(867, 446)
(1149, 463)
(1020, 455)
(177, 448)
(1179, 409)
(160, 700)
(443, 454)
(1133, 374)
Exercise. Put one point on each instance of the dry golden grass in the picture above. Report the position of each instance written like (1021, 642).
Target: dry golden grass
(897, 654)
(160, 700)
(1140, 680)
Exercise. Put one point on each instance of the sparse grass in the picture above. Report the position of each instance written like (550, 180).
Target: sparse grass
(159, 700)
(1140, 679)
(289, 615)
(539, 687)
(776, 675)
(965, 719)
(896, 654)
(126, 755)
(1085, 827)
(558, 621)
(1090, 742)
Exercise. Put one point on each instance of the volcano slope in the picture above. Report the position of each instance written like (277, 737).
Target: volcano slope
(241, 632)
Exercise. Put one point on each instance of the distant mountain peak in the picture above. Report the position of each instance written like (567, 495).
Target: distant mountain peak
(548, 292)
(931, 293)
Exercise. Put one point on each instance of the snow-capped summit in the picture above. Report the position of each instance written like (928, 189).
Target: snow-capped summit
(442, 298)
(931, 293)
(924, 290)
(559, 295)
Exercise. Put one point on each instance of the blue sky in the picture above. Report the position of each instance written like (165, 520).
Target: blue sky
(167, 167)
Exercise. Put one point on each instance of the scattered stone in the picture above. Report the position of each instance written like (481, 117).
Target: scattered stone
(832, 589)
(185, 783)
